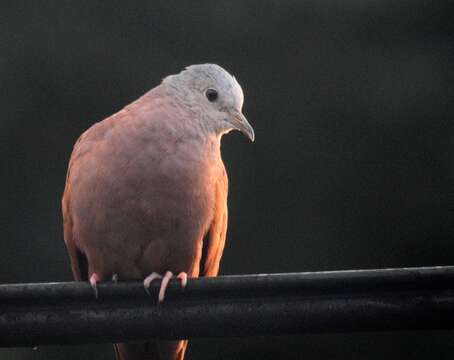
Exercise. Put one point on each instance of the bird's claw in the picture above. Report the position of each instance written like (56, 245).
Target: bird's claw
(149, 279)
(164, 282)
(94, 280)
(184, 279)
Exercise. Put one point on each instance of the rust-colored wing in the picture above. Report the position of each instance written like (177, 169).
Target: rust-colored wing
(78, 260)
(213, 246)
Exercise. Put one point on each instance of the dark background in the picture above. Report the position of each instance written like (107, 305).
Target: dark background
(353, 164)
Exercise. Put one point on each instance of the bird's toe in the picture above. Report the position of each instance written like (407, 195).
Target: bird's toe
(149, 279)
(164, 283)
(184, 279)
(94, 280)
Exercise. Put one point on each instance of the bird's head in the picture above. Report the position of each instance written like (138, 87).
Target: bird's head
(216, 93)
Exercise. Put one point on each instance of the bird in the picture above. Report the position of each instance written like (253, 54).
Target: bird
(146, 190)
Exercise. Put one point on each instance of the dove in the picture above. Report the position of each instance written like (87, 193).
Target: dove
(146, 190)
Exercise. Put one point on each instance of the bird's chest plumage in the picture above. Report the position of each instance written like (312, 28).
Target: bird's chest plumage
(180, 185)
(152, 205)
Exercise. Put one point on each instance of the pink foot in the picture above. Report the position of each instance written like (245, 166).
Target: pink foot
(94, 280)
(164, 283)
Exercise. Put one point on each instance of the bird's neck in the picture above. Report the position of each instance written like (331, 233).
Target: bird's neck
(193, 120)
(182, 122)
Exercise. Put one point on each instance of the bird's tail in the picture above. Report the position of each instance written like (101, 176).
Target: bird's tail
(151, 350)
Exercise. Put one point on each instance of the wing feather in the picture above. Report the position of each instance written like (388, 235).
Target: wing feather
(214, 248)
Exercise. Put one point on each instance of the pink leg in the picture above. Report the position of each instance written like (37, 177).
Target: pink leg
(94, 280)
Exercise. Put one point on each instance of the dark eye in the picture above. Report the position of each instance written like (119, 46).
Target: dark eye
(211, 95)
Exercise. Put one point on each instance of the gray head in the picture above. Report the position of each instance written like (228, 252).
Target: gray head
(216, 93)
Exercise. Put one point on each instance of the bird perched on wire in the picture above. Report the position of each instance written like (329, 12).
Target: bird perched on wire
(146, 190)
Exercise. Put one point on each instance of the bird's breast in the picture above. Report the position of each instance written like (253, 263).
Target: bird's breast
(147, 198)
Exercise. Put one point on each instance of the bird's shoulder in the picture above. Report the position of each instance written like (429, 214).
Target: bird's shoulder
(132, 118)
(148, 138)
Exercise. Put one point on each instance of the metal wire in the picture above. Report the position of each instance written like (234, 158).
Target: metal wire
(338, 301)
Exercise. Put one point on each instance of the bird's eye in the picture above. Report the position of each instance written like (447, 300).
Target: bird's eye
(211, 95)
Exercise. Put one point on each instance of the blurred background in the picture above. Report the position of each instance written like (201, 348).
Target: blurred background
(353, 164)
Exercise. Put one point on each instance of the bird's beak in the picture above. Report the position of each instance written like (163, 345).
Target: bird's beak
(239, 122)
